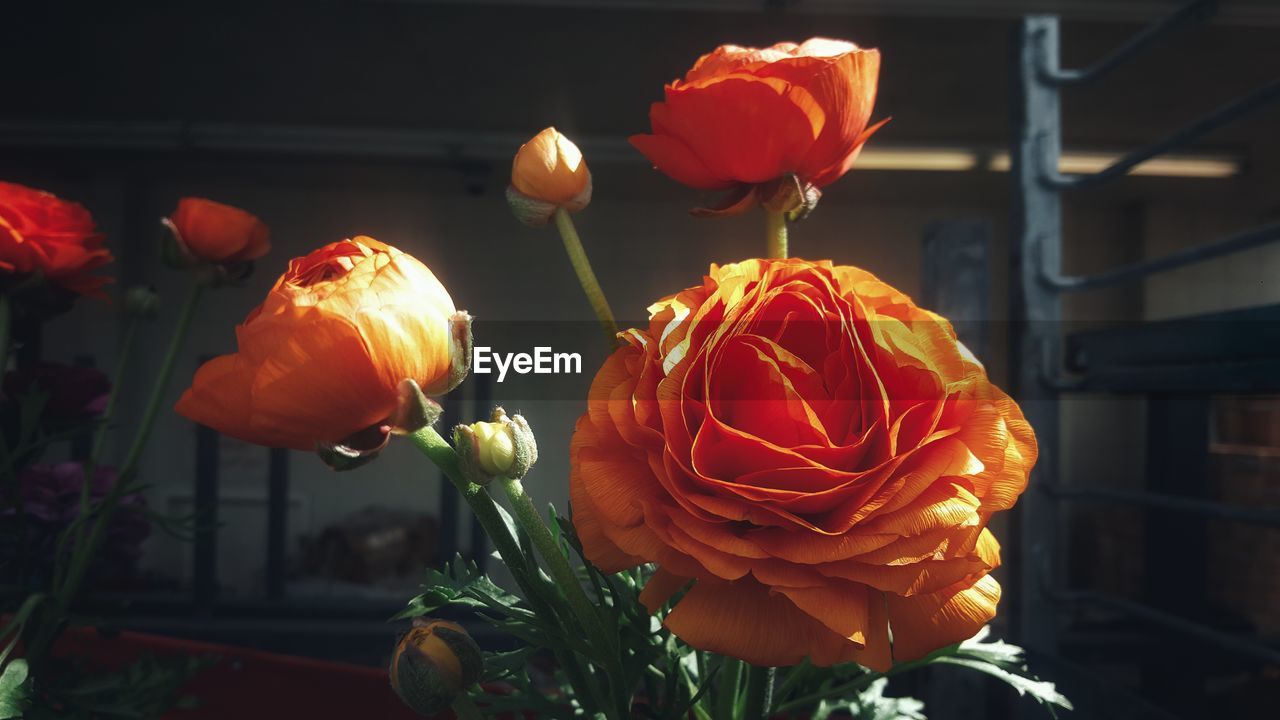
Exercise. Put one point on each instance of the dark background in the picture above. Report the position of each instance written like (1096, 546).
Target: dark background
(398, 120)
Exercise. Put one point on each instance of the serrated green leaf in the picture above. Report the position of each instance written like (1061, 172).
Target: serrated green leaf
(461, 585)
(1042, 691)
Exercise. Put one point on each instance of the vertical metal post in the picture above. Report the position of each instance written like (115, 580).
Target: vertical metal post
(204, 583)
(957, 285)
(957, 278)
(1036, 310)
(277, 522)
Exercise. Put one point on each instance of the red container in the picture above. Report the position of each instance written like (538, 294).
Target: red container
(250, 684)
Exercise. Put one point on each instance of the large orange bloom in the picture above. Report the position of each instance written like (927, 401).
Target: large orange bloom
(40, 232)
(320, 359)
(815, 454)
(748, 116)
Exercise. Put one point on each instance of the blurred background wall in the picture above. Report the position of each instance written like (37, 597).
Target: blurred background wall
(398, 120)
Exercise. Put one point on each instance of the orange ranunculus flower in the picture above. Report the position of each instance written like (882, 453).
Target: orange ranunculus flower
(218, 233)
(815, 453)
(748, 116)
(40, 232)
(320, 359)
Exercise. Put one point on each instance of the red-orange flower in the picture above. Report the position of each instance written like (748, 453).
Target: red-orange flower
(218, 233)
(41, 233)
(816, 454)
(320, 360)
(749, 116)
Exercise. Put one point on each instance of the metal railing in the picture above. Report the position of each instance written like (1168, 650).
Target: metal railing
(1037, 342)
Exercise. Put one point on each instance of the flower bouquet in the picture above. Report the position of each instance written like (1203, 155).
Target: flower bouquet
(77, 523)
(780, 486)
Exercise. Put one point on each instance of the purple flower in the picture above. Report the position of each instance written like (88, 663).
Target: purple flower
(50, 497)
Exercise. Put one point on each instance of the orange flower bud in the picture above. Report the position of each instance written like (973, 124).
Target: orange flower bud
(433, 664)
(321, 361)
(548, 172)
(212, 232)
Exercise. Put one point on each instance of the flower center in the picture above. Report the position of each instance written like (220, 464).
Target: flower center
(327, 266)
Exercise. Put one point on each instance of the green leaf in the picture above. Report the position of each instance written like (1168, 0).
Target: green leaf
(873, 704)
(15, 696)
(1042, 691)
(461, 584)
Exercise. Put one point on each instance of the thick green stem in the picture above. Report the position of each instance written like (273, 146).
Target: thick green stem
(566, 579)
(130, 465)
(586, 276)
(531, 522)
(439, 452)
(759, 693)
(775, 229)
(727, 690)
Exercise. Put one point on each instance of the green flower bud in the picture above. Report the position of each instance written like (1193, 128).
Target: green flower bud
(503, 446)
(141, 301)
(433, 664)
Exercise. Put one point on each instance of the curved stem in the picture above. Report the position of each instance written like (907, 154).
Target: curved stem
(438, 451)
(95, 450)
(85, 550)
(122, 362)
(129, 467)
(759, 693)
(564, 575)
(775, 233)
(586, 276)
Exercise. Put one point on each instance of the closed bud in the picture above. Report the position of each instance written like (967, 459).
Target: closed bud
(500, 447)
(141, 301)
(548, 172)
(434, 663)
(495, 448)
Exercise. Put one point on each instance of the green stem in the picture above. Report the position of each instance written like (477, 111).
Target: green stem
(566, 579)
(586, 276)
(464, 708)
(727, 692)
(438, 451)
(6, 331)
(122, 361)
(83, 553)
(162, 383)
(759, 693)
(529, 519)
(95, 451)
(775, 233)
